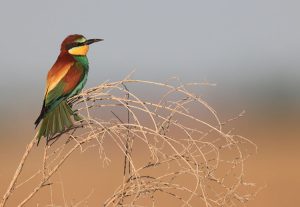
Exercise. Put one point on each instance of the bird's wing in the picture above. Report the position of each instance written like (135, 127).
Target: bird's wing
(56, 74)
(62, 83)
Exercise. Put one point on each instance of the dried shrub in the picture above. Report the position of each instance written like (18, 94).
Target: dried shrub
(187, 156)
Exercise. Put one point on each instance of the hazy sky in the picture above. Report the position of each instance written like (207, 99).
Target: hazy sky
(225, 41)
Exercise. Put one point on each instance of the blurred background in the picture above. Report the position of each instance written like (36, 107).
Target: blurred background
(251, 49)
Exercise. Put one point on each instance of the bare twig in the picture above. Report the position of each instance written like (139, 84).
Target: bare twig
(181, 136)
(12, 184)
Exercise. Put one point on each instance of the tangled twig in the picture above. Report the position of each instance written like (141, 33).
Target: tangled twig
(182, 137)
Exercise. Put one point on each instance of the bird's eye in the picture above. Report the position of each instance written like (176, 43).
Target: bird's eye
(74, 44)
(69, 46)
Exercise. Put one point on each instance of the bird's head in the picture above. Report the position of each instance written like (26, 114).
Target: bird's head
(77, 44)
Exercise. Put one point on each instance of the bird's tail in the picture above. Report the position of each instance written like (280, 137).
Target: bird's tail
(56, 121)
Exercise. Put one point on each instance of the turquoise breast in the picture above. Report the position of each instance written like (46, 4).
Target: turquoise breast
(84, 63)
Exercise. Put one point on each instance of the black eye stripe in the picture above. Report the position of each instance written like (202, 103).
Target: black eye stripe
(75, 44)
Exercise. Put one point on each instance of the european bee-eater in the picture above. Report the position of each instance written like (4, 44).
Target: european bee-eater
(65, 79)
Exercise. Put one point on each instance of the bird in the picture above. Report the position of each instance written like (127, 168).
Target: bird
(65, 79)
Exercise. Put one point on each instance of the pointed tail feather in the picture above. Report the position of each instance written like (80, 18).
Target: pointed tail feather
(41, 116)
(55, 121)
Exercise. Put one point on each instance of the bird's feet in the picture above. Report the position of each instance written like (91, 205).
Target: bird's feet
(77, 117)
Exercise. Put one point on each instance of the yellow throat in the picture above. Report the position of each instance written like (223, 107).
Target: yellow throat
(81, 50)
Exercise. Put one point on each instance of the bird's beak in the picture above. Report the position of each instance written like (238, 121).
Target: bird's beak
(90, 41)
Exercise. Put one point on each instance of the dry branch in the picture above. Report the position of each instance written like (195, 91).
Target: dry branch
(188, 155)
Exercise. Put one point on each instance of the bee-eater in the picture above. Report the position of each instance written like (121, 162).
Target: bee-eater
(65, 79)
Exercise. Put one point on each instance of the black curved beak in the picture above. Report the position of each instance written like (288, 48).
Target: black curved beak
(91, 41)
